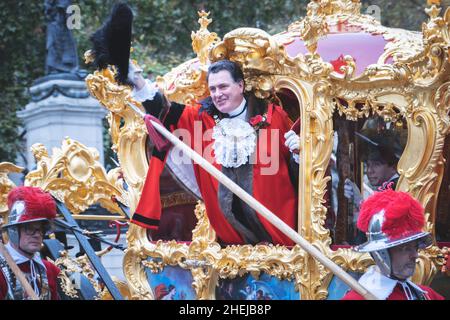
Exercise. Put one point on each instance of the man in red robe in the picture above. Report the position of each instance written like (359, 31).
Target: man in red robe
(393, 222)
(30, 215)
(249, 140)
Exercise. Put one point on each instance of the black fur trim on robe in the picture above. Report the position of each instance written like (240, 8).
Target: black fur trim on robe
(243, 218)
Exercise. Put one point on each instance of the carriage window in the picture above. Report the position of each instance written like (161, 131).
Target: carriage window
(364, 159)
(287, 99)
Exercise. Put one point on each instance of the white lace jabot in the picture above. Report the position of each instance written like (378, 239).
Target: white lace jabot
(234, 142)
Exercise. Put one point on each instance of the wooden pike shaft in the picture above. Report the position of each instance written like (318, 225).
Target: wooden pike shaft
(261, 209)
(18, 273)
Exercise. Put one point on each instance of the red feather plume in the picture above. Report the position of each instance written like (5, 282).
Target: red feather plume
(404, 215)
(38, 204)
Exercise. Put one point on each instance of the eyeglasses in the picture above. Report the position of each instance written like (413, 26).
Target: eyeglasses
(30, 231)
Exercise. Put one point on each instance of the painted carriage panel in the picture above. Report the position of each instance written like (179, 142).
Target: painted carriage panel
(337, 288)
(250, 288)
(172, 283)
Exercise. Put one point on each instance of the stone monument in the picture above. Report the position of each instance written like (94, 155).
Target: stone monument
(60, 104)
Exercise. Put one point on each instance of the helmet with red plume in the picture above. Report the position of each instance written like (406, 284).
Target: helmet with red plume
(391, 218)
(26, 205)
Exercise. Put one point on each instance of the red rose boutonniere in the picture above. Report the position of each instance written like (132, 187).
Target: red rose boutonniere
(258, 121)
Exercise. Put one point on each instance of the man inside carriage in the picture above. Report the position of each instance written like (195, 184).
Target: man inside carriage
(248, 139)
(380, 150)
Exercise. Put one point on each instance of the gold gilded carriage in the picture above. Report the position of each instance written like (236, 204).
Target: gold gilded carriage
(409, 79)
(408, 82)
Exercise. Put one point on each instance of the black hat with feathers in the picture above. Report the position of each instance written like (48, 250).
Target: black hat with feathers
(112, 42)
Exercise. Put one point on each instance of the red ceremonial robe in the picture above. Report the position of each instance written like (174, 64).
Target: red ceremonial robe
(276, 192)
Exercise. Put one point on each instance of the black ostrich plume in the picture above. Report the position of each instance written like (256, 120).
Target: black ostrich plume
(112, 42)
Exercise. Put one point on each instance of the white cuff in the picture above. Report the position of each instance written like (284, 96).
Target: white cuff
(147, 92)
(296, 157)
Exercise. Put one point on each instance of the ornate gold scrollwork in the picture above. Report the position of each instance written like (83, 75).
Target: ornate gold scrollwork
(262, 57)
(322, 146)
(70, 266)
(315, 25)
(74, 175)
(421, 59)
(316, 109)
(428, 264)
(123, 289)
(5, 187)
(67, 286)
(347, 259)
(357, 109)
(442, 103)
(232, 261)
(350, 111)
(277, 261)
(195, 257)
(252, 48)
(207, 261)
(437, 28)
(133, 267)
(187, 83)
(204, 251)
(128, 132)
(203, 39)
(67, 267)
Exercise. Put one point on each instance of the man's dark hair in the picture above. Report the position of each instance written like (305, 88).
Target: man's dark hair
(227, 65)
(256, 105)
